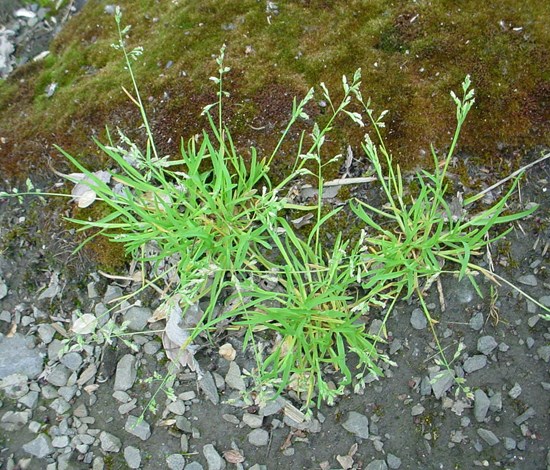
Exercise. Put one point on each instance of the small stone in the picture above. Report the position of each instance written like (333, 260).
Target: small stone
(138, 428)
(47, 332)
(481, 405)
(137, 318)
(132, 456)
(545, 300)
(377, 465)
(496, 402)
(544, 353)
(177, 407)
(72, 361)
(17, 358)
(532, 321)
(208, 386)
(253, 421)
(529, 413)
(113, 292)
(530, 342)
(425, 387)
(488, 436)
(393, 462)
(441, 381)
(528, 280)
(196, 466)
(476, 321)
(474, 363)
(60, 441)
(59, 376)
(417, 410)
(258, 437)
(418, 319)
(515, 391)
(30, 400)
(273, 407)
(15, 386)
(67, 393)
(213, 458)
(175, 462)
(151, 347)
(357, 424)
(509, 443)
(486, 345)
(126, 373)
(60, 406)
(233, 377)
(39, 447)
(184, 443)
(109, 442)
(14, 420)
(187, 396)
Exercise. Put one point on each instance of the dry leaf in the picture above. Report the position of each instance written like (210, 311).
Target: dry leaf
(13, 330)
(233, 456)
(227, 351)
(84, 325)
(88, 374)
(82, 192)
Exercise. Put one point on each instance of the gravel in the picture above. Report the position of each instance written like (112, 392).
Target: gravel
(481, 405)
(486, 345)
(138, 428)
(175, 462)
(109, 442)
(488, 436)
(258, 437)
(213, 458)
(17, 358)
(418, 319)
(39, 447)
(132, 455)
(515, 391)
(474, 363)
(357, 424)
(126, 373)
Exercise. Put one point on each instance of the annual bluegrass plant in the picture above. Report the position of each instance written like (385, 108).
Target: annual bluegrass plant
(214, 229)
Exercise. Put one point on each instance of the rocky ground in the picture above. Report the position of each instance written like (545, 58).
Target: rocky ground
(80, 408)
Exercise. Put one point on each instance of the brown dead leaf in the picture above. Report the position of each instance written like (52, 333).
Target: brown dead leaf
(233, 456)
(13, 330)
(227, 351)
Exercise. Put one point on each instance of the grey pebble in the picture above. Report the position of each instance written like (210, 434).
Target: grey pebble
(132, 456)
(425, 387)
(441, 381)
(528, 280)
(14, 420)
(530, 342)
(357, 424)
(213, 458)
(39, 447)
(481, 405)
(60, 441)
(208, 386)
(545, 300)
(59, 376)
(377, 465)
(184, 443)
(30, 400)
(418, 319)
(137, 318)
(72, 360)
(195, 466)
(175, 462)
(258, 437)
(138, 428)
(394, 462)
(17, 358)
(527, 414)
(109, 442)
(515, 391)
(47, 332)
(14, 386)
(488, 436)
(509, 443)
(474, 363)
(544, 353)
(233, 377)
(177, 407)
(476, 321)
(253, 421)
(126, 372)
(417, 410)
(113, 292)
(486, 345)
(496, 402)
(532, 321)
(60, 406)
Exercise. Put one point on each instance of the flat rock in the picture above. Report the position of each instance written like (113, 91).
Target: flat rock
(515, 391)
(253, 421)
(132, 455)
(233, 378)
(377, 465)
(18, 359)
(528, 280)
(72, 360)
(486, 345)
(476, 321)
(357, 424)
(258, 437)
(109, 442)
(527, 414)
(213, 458)
(138, 428)
(137, 318)
(418, 319)
(14, 420)
(15, 386)
(126, 372)
(394, 462)
(441, 382)
(481, 405)
(488, 436)
(544, 353)
(175, 462)
(195, 466)
(39, 447)
(208, 386)
(474, 363)
(59, 375)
